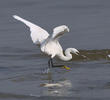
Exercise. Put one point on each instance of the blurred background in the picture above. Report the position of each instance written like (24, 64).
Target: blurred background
(88, 20)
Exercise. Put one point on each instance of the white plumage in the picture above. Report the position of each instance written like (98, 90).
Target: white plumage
(49, 44)
(38, 35)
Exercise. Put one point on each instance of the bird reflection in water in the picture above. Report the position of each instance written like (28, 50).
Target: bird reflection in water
(59, 88)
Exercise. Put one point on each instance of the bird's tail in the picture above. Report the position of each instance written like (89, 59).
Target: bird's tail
(29, 24)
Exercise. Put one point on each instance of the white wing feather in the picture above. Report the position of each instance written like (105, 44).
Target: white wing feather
(38, 34)
(59, 31)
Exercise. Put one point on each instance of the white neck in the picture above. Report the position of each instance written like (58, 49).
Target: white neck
(68, 55)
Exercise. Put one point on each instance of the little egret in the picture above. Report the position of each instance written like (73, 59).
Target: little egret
(49, 44)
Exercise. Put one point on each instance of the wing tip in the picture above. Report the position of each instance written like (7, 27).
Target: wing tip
(16, 17)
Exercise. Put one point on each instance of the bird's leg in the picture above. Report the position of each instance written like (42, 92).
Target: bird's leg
(50, 63)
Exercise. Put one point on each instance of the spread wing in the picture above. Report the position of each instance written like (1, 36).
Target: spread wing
(59, 31)
(38, 34)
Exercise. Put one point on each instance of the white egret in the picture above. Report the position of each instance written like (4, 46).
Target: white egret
(49, 44)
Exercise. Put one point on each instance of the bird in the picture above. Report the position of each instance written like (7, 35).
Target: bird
(49, 44)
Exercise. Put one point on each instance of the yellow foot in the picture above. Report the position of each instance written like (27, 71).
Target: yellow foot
(67, 68)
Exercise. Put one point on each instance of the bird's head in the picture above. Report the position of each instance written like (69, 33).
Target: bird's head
(74, 51)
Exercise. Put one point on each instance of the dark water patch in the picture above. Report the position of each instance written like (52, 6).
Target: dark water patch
(21, 57)
(85, 55)
(90, 85)
(25, 78)
(2, 68)
(21, 73)
(107, 85)
(14, 78)
(58, 98)
(92, 55)
(19, 54)
(10, 96)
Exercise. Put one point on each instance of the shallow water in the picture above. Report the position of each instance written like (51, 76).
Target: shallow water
(22, 65)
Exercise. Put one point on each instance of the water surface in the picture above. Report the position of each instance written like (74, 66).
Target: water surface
(22, 64)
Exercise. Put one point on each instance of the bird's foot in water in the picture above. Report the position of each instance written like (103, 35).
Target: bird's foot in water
(46, 70)
(62, 66)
